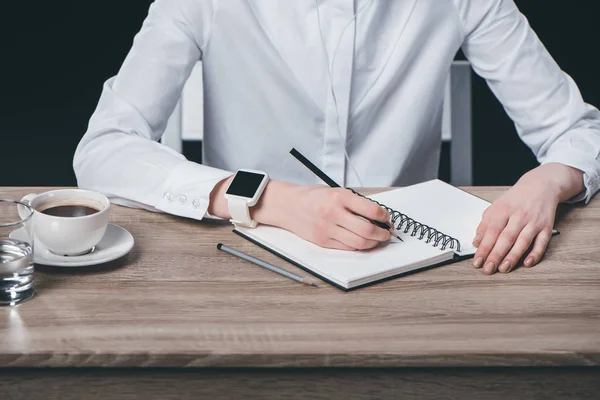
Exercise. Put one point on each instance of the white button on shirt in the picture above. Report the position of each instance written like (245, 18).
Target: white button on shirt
(269, 70)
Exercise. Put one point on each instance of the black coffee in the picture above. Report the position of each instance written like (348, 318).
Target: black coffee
(70, 210)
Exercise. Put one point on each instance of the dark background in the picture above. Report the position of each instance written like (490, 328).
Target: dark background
(56, 56)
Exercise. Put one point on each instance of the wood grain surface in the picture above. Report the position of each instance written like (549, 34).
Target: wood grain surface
(175, 300)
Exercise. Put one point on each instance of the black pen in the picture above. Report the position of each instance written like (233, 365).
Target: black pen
(315, 170)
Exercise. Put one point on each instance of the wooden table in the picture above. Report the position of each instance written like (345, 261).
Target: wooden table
(126, 329)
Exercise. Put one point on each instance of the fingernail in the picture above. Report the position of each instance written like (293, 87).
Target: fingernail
(477, 238)
(504, 267)
(489, 268)
(529, 262)
(478, 263)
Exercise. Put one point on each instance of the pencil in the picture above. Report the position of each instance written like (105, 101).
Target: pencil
(323, 176)
(266, 265)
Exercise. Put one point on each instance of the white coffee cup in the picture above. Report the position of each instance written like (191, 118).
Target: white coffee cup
(70, 236)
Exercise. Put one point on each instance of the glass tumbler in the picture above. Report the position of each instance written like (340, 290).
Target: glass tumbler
(16, 252)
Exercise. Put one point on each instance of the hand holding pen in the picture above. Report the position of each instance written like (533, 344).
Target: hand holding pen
(336, 218)
(372, 212)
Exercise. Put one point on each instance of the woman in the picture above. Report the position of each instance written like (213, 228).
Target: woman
(357, 86)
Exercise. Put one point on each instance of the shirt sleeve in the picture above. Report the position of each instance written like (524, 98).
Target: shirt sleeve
(119, 154)
(542, 100)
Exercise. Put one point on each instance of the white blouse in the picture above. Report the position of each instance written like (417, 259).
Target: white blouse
(364, 76)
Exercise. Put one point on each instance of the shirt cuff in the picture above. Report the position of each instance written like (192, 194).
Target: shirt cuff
(582, 161)
(186, 192)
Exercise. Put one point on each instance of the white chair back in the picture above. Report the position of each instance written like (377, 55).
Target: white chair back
(457, 123)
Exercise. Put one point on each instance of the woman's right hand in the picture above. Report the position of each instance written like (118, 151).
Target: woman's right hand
(329, 217)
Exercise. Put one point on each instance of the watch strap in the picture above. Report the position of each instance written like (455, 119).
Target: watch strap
(240, 212)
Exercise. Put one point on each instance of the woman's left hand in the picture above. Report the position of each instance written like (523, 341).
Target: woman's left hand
(520, 222)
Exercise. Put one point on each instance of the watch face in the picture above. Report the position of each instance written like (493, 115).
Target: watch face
(245, 184)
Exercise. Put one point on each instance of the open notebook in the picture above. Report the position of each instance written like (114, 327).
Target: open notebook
(424, 214)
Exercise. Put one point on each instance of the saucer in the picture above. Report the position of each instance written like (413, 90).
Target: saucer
(117, 242)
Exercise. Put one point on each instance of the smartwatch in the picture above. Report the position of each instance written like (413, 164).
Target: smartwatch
(243, 192)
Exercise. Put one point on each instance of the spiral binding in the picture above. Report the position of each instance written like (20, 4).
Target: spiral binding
(424, 231)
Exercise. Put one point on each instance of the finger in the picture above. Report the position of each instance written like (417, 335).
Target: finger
(479, 232)
(322, 233)
(478, 235)
(363, 228)
(523, 242)
(337, 245)
(351, 239)
(539, 247)
(366, 208)
(494, 229)
(506, 240)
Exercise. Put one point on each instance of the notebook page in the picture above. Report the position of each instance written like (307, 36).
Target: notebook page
(441, 206)
(348, 267)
